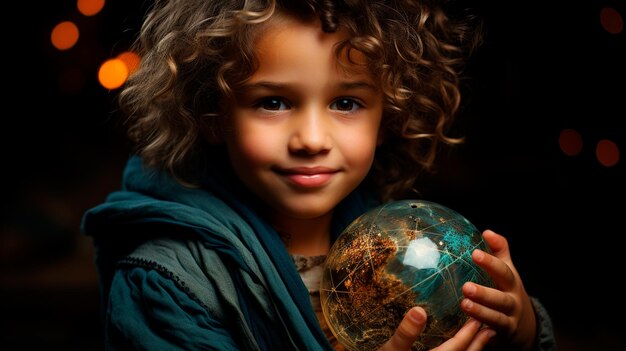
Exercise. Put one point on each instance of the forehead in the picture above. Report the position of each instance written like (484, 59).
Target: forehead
(286, 41)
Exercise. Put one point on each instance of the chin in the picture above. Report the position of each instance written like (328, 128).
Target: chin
(306, 213)
(306, 210)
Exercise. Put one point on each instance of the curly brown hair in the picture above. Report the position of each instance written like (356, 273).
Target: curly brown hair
(196, 52)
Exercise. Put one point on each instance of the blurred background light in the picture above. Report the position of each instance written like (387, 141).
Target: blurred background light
(90, 7)
(113, 73)
(607, 153)
(570, 142)
(611, 20)
(131, 60)
(64, 35)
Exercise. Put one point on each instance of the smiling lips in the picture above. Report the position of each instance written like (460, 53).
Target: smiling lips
(308, 177)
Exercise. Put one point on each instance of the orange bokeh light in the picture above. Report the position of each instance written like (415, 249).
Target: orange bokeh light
(611, 20)
(607, 153)
(113, 73)
(64, 35)
(570, 142)
(89, 7)
(131, 60)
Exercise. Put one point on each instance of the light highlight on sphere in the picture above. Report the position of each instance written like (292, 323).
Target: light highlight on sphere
(422, 253)
(570, 142)
(113, 73)
(131, 60)
(607, 153)
(64, 35)
(89, 7)
(611, 20)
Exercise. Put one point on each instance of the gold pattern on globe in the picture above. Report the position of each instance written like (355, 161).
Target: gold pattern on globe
(396, 256)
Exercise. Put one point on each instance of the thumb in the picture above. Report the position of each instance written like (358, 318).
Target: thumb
(407, 332)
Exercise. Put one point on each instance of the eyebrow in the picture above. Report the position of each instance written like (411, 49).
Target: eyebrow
(351, 85)
(361, 84)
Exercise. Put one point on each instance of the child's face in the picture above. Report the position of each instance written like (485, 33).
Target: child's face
(304, 130)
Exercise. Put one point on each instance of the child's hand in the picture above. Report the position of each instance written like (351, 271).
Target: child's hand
(469, 338)
(507, 309)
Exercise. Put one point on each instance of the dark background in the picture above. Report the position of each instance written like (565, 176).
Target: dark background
(545, 66)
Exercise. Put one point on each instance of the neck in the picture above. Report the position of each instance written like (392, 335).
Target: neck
(309, 237)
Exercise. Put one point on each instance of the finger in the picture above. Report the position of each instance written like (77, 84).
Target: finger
(462, 338)
(407, 332)
(497, 243)
(489, 297)
(468, 330)
(501, 273)
(481, 339)
(491, 317)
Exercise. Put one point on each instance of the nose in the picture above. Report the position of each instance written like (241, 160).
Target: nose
(311, 132)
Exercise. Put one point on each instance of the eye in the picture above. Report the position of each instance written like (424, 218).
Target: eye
(272, 104)
(346, 105)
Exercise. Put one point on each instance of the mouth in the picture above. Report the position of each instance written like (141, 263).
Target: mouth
(307, 177)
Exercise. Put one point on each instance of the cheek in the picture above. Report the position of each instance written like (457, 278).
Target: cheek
(359, 148)
(252, 147)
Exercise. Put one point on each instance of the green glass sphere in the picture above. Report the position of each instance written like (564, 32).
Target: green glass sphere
(396, 256)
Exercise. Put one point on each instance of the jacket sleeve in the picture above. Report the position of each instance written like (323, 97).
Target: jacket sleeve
(149, 311)
(546, 340)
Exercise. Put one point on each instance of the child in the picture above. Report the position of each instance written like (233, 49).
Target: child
(262, 128)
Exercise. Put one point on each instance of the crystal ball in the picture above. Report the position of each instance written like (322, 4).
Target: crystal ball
(393, 257)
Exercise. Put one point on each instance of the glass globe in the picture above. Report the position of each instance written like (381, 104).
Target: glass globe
(396, 256)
